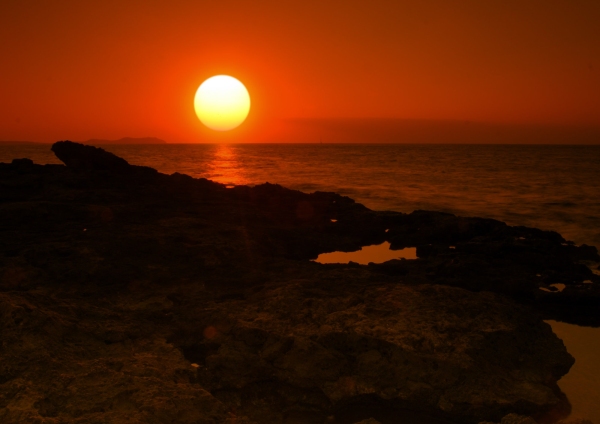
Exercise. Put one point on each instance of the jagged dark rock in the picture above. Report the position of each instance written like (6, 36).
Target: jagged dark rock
(81, 156)
(22, 163)
(130, 295)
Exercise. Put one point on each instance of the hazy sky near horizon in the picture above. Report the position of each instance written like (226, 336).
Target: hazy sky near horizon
(109, 69)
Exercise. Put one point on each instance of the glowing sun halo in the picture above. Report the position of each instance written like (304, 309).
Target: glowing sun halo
(222, 103)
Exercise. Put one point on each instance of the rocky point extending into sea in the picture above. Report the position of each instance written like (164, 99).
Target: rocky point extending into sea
(131, 296)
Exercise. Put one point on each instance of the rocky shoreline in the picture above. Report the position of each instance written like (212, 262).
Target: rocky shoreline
(132, 296)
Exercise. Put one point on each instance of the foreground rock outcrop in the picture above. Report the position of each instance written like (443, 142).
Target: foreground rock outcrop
(376, 349)
(127, 295)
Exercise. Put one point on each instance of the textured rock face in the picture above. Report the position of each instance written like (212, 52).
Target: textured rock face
(58, 367)
(427, 347)
(515, 419)
(145, 298)
(522, 419)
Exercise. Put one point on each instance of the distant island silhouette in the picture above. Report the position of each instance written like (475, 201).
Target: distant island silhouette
(124, 140)
(20, 142)
(128, 140)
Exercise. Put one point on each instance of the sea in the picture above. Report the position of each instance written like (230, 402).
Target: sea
(551, 187)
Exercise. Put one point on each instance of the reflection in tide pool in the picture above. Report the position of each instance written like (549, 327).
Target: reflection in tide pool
(377, 254)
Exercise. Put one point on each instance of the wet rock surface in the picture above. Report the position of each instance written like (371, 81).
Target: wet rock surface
(127, 295)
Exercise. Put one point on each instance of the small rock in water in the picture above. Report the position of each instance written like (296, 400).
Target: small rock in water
(22, 163)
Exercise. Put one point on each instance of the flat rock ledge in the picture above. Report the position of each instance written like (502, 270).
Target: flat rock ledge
(130, 296)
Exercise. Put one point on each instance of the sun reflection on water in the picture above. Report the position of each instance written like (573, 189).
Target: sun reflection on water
(225, 167)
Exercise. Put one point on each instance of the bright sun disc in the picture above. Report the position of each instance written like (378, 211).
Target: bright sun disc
(222, 103)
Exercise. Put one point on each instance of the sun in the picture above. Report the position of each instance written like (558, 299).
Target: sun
(222, 103)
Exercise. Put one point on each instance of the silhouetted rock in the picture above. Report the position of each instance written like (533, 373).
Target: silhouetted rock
(27, 163)
(80, 156)
(142, 297)
(24, 164)
(589, 253)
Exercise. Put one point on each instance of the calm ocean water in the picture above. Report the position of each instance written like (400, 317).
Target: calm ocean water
(548, 187)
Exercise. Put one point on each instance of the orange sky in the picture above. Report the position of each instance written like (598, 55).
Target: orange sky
(113, 68)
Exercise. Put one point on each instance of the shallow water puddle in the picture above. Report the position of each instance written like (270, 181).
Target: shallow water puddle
(377, 253)
(554, 288)
(582, 382)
